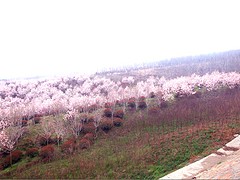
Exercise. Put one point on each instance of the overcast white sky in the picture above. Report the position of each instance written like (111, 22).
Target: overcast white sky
(47, 37)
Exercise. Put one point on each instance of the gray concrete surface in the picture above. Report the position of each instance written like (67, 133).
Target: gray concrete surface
(222, 165)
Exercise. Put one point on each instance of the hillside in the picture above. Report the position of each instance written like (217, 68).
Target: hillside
(120, 125)
(147, 145)
(184, 66)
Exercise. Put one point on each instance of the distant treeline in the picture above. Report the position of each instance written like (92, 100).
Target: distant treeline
(184, 66)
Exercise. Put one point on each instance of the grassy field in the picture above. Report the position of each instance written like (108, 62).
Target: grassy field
(149, 145)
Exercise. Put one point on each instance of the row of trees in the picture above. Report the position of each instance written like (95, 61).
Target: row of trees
(74, 96)
(60, 95)
(183, 66)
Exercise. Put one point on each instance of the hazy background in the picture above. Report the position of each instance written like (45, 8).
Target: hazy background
(52, 37)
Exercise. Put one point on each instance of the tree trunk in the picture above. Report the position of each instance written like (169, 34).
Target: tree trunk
(10, 158)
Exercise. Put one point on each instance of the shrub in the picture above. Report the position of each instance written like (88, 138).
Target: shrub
(163, 105)
(69, 146)
(37, 120)
(15, 156)
(3, 154)
(179, 95)
(26, 143)
(131, 103)
(55, 140)
(90, 119)
(117, 122)
(107, 105)
(47, 152)
(119, 114)
(84, 143)
(132, 99)
(106, 125)
(24, 123)
(6, 162)
(32, 152)
(89, 136)
(43, 141)
(142, 105)
(92, 108)
(25, 117)
(108, 112)
(153, 110)
(79, 109)
(38, 115)
(152, 95)
(118, 103)
(198, 94)
(83, 117)
(89, 128)
(141, 98)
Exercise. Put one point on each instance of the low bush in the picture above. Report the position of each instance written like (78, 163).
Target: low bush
(119, 114)
(83, 117)
(198, 94)
(47, 152)
(26, 143)
(152, 95)
(142, 104)
(12, 158)
(119, 103)
(106, 125)
(153, 110)
(3, 154)
(163, 105)
(131, 103)
(108, 105)
(38, 115)
(92, 108)
(89, 128)
(69, 146)
(142, 98)
(84, 143)
(89, 136)
(90, 119)
(25, 117)
(24, 123)
(43, 141)
(117, 122)
(107, 112)
(32, 152)
(55, 140)
(37, 120)
(132, 99)
(16, 156)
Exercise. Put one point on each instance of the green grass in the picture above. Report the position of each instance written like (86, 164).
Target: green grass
(146, 147)
(132, 155)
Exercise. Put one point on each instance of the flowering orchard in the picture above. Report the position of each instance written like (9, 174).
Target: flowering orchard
(60, 95)
(22, 101)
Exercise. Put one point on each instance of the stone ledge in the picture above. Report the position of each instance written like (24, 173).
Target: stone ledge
(194, 170)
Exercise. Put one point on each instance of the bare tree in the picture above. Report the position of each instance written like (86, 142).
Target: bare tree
(46, 130)
(9, 138)
(59, 129)
(73, 122)
(97, 119)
